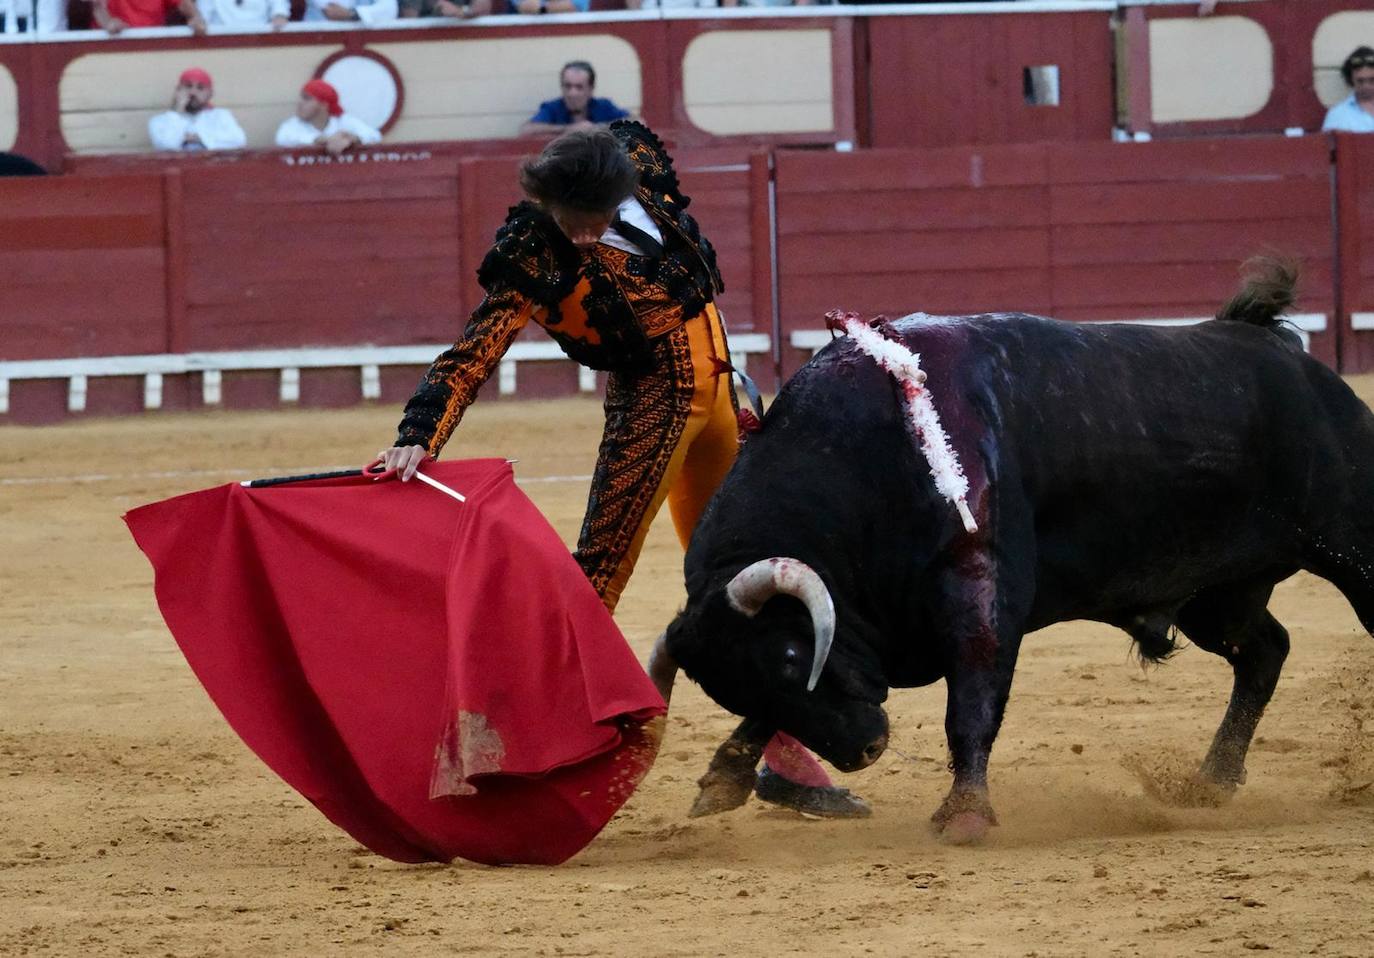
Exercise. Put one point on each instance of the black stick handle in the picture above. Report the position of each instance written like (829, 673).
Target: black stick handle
(284, 480)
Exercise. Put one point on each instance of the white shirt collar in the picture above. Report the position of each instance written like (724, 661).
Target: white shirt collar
(632, 212)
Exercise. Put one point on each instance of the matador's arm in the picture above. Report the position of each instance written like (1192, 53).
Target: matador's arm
(451, 383)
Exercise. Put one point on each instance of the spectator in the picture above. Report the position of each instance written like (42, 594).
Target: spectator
(378, 11)
(668, 4)
(576, 109)
(320, 121)
(193, 123)
(444, 8)
(1355, 114)
(33, 16)
(546, 6)
(246, 13)
(114, 16)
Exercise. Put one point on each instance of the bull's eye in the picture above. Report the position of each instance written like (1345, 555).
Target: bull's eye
(791, 663)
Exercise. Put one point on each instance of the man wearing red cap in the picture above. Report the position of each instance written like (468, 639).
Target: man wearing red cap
(320, 121)
(114, 16)
(192, 123)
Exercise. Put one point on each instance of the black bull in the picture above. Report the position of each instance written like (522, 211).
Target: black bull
(1144, 477)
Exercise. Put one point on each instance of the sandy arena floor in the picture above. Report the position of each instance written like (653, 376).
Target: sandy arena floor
(135, 822)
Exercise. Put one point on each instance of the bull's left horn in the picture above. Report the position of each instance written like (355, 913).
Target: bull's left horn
(756, 584)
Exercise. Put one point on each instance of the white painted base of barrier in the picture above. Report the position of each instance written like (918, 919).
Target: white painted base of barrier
(368, 360)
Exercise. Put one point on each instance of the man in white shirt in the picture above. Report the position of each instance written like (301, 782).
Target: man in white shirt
(370, 13)
(320, 121)
(193, 123)
(246, 13)
(32, 16)
(1355, 114)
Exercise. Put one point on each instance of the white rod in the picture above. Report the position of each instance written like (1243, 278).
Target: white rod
(441, 487)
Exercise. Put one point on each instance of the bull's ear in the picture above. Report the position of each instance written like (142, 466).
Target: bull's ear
(711, 620)
(682, 638)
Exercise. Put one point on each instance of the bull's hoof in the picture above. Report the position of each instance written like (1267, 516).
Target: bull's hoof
(821, 801)
(730, 777)
(964, 817)
(1197, 791)
(1227, 776)
(966, 828)
(721, 791)
(1170, 779)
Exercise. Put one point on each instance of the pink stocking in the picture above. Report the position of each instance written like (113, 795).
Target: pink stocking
(790, 759)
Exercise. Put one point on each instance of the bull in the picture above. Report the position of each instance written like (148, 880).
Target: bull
(1160, 480)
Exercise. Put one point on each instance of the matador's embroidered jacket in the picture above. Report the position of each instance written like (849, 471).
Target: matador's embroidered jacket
(604, 307)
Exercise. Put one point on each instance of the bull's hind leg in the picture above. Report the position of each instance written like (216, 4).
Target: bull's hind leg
(1234, 623)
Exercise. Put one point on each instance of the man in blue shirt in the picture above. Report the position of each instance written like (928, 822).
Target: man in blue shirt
(1355, 114)
(576, 109)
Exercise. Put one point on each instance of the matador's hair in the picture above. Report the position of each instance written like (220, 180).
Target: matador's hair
(585, 170)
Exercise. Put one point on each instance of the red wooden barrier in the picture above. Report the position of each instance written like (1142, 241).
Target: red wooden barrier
(213, 256)
(83, 267)
(957, 80)
(338, 255)
(1089, 231)
(1355, 215)
(892, 231)
(225, 256)
(1157, 229)
(725, 198)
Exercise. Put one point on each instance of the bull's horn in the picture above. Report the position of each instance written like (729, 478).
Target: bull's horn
(756, 584)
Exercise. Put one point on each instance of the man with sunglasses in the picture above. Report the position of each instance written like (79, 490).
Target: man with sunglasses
(1355, 114)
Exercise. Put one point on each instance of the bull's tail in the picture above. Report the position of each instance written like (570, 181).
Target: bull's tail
(1270, 284)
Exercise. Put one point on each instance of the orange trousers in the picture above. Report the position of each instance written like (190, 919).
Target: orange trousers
(671, 435)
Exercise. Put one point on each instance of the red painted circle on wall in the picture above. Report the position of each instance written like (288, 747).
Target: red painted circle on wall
(369, 85)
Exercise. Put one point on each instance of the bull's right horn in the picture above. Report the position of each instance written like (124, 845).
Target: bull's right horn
(757, 583)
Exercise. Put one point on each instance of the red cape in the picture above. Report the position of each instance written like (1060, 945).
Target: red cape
(437, 677)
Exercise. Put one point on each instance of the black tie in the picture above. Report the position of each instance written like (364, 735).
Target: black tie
(634, 234)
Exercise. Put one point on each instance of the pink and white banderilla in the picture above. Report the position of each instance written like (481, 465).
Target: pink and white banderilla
(905, 367)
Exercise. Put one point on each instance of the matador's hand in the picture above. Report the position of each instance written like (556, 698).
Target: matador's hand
(403, 460)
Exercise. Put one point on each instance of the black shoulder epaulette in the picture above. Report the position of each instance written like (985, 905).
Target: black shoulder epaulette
(532, 256)
(656, 173)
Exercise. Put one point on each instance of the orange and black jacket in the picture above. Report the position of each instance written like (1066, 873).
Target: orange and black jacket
(604, 307)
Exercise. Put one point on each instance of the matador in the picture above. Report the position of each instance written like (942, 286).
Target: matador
(605, 257)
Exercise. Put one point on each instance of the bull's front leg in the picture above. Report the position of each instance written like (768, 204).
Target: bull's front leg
(730, 778)
(973, 715)
(983, 637)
